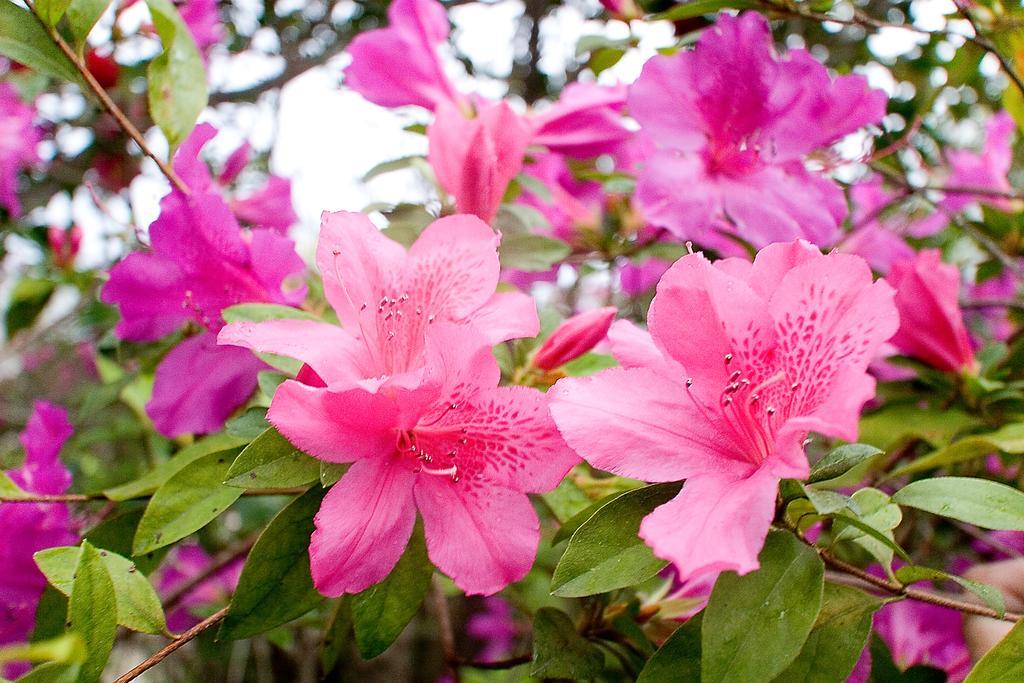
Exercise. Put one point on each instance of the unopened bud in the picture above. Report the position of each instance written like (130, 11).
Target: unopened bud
(573, 338)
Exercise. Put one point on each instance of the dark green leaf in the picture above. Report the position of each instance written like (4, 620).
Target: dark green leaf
(249, 424)
(678, 658)
(138, 607)
(381, 612)
(158, 476)
(841, 460)
(1004, 663)
(976, 501)
(605, 552)
(29, 297)
(270, 461)
(177, 77)
(187, 502)
(276, 586)
(755, 625)
(559, 651)
(837, 639)
(89, 613)
(336, 636)
(24, 40)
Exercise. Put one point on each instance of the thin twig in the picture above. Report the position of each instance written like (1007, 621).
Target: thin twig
(174, 645)
(108, 103)
(987, 45)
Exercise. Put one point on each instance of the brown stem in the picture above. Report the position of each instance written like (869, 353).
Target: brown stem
(174, 645)
(108, 103)
(444, 625)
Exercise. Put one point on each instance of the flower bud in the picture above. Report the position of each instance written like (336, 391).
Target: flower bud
(103, 68)
(623, 9)
(64, 244)
(573, 338)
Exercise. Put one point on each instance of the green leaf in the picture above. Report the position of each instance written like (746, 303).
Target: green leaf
(158, 476)
(276, 586)
(8, 489)
(138, 606)
(839, 635)
(249, 424)
(271, 461)
(24, 40)
(895, 424)
(841, 460)
(698, 8)
(570, 526)
(29, 297)
(877, 516)
(381, 612)
(393, 165)
(829, 502)
(991, 596)
(336, 637)
(52, 672)
(1009, 439)
(559, 651)
(177, 77)
(331, 472)
(983, 503)
(605, 552)
(755, 625)
(532, 253)
(65, 649)
(1004, 663)
(89, 613)
(187, 502)
(51, 11)
(82, 16)
(566, 501)
(678, 658)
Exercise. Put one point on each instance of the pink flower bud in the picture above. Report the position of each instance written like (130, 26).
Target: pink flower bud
(574, 337)
(623, 9)
(64, 244)
(931, 323)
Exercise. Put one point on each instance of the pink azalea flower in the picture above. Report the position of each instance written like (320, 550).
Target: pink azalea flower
(993, 320)
(203, 22)
(18, 139)
(64, 245)
(987, 170)
(742, 362)
(182, 566)
(574, 204)
(475, 159)
(623, 9)
(411, 399)
(931, 324)
(585, 122)
(637, 278)
(574, 337)
(26, 528)
(496, 627)
(734, 122)
(199, 263)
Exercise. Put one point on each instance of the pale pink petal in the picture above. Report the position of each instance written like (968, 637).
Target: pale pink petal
(634, 347)
(199, 384)
(507, 315)
(717, 523)
(334, 354)
(483, 535)
(363, 526)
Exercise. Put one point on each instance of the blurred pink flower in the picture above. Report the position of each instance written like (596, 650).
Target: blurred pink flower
(183, 564)
(986, 171)
(585, 121)
(931, 323)
(18, 139)
(733, 123)
(743, 361)
(203, 22)
(26, 528)
(496, 627)
(64, 245)
(637, 278)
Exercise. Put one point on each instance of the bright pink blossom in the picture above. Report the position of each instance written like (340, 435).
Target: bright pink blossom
(410, 397)
(496, 627)
(734, 122)
(574, 337)
(203, 21)
(475, 159)
(931, 323)
(742, 362)
(986, 171)
(637, 278)
(585, 122)
(26, 528)
(18, 139)
(183, 564)
(623, 9)
(200, 262)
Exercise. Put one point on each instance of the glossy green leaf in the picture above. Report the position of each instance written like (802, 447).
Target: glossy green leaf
(1009, 439)
(874, 511)
(990, 595)
(984, 503)
(82, 16)
(276, 586)
(30, 296)
(841, 460)
(381, 612)
(158, 476)
(531, 253)
(1004, 663)
(138, 606)
(24, 40)
(605, 552)
(570, 525)
(271, 461)
(51, 11)
(755, 625)
(559, 651)
(678, 658)
(177, 77)
(839, 635)
(187, 502)
(248, 425)
(89, 613)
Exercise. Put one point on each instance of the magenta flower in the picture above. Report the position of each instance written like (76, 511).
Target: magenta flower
(199, 263)
(412, 401)
(496, 627)
(574, 203)
(734, 122)
(18, 139)
(26, 528)
(931, 324)
(182, 566)
(585, 122)
(475, 159)
(637, 278)
(203, 22)
(986, 171)
(743, 361)
(574, 337)
(623, 9)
